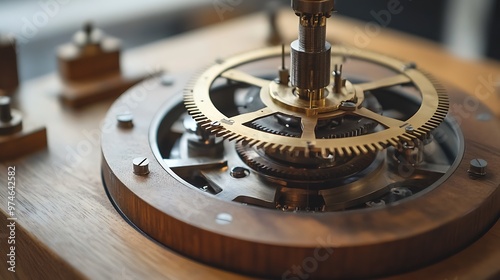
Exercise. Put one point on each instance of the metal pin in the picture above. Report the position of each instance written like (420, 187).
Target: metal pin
(338, 82)
(11, 121)
(284, 74)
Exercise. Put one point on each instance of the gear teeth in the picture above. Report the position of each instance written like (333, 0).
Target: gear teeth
(393, 142)
(283, 149)
(371, 147)
(234, 137)
(325, 149)
(404, 138)
(224, 134)
(378, 147)
(418, 134)
(363, 150)
(267, 145)
(347, 152)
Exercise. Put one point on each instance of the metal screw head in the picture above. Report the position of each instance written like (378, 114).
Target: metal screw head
(477, 167)
(125, 120)
(375, 203)
(141, 166)
(409, 129)
(410, 65)
(223, 219)
(401, 191)
(239, 172)
(167, 80)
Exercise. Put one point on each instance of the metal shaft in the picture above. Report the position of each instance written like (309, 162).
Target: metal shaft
(310, 54)
(5, 111)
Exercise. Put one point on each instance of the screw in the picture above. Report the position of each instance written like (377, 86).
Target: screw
(141, 166)
(5, 111)
(477, 167)
(224, 219)
(239, 172)
(409, 129)
(375, 203)
(410, 65)
(401, 191)
(215, 123)
(125, 120)
(167, 80)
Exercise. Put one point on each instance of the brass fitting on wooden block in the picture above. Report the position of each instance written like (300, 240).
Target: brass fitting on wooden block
(89, 67)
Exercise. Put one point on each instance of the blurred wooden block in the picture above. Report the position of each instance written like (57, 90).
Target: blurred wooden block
(9, 79)
(80, 63)
(32, 138)
(80, 94)
(89, 67)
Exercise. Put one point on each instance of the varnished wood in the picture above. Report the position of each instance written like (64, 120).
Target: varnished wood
(69, 229)
(32, 138)
(81, 94)
(378, 240)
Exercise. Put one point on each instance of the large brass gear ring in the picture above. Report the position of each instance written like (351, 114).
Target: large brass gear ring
(432, 111)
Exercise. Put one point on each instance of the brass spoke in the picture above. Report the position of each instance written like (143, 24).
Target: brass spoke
(308, 129)
(248, 117)
(385, 121)
(240, 76)
(386, 82)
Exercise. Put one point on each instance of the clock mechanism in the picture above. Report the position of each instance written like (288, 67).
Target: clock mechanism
(310, 158)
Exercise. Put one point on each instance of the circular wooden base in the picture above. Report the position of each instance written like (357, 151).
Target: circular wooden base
(262, 242)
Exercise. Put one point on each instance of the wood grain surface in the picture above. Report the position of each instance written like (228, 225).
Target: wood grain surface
(68, 229)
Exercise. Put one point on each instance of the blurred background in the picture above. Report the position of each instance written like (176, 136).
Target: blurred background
(470, 29)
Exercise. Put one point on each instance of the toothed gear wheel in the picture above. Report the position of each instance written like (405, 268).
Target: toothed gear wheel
(432, 111)
(322, 171)
(341, 127)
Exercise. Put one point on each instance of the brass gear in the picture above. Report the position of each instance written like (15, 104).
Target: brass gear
(346, 126)
(433, 109)
(312, 175)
